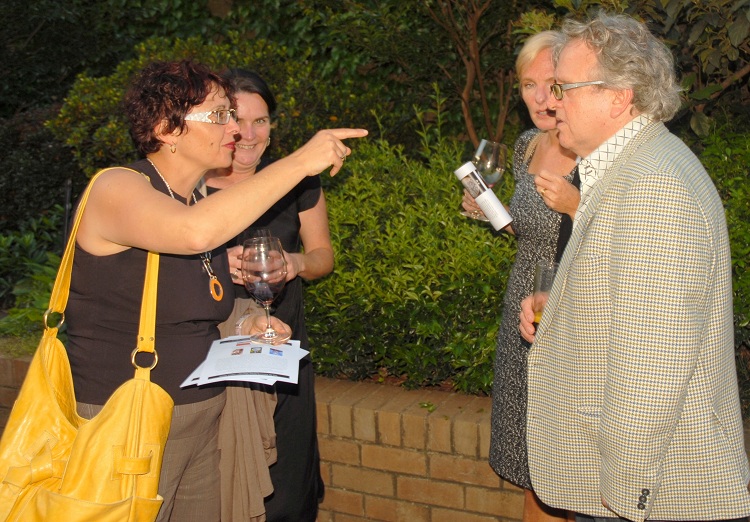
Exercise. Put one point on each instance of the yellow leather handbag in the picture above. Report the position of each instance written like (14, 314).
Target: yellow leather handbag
(56, 465)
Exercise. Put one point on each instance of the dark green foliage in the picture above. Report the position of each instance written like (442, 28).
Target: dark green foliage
(467, 50)
(726, 157)
(32, 294)
(92, 124)
(26, 258)
(710, 42)
(46, 43)
(330, 33)
(37, 170)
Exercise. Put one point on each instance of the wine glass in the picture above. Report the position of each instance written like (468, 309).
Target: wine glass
(258, 232)
(489, 159)
(264, 274)
(253, 232)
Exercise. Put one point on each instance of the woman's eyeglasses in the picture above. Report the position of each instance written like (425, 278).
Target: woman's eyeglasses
(219, 116)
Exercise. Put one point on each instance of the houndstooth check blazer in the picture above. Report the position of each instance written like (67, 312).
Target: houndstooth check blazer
(632, 384)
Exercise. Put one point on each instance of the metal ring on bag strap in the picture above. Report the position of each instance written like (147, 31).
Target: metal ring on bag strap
(135, 365)
(45, 317)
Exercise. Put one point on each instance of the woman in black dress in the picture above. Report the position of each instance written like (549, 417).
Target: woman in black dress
(300, 220)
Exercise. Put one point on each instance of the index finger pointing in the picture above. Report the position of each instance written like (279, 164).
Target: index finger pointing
(344, 134)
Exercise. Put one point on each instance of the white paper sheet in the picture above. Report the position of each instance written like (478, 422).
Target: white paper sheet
(237, 358)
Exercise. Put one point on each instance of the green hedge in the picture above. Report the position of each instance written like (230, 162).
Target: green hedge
(726, 156)
(37, 171)
(91, 121)
(28, 265)
(417, 288)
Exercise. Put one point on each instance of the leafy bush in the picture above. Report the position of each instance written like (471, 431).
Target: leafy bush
(417, 288)
(92, 123)
(29, 246)
(726, 157)
(49, 42)
(28, 265)
(38, 171)
(32, 294)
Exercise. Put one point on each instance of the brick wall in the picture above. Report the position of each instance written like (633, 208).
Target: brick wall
(12, 372)
(389, 454)
(396, 455)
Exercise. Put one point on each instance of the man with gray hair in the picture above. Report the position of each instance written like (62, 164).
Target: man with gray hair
(633, 405)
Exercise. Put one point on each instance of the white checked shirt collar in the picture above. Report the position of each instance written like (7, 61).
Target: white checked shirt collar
(592, 167)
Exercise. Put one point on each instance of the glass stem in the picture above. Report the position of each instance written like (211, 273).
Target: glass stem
(269, 330)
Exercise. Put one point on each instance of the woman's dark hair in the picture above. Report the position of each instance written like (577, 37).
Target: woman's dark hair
(244, 80)
(165, 92)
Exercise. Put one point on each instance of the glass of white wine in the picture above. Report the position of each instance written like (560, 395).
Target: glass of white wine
(489, 159)
(544, 276)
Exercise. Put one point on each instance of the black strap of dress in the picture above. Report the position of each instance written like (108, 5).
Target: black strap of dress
(566, 223)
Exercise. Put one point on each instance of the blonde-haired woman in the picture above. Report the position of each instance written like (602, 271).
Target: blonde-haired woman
(542, 207)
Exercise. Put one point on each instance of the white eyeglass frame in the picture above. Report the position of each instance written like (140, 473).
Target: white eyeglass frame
(204, 116)
(562, 87)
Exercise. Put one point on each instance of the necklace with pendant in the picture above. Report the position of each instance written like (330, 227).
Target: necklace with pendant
(214, 285)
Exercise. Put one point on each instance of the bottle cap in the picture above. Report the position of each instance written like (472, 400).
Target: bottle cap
(464, 170)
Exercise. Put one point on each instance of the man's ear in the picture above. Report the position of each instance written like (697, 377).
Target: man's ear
(622, 101)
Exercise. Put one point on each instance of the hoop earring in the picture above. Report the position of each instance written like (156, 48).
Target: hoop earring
(268, 141)
(173, 148)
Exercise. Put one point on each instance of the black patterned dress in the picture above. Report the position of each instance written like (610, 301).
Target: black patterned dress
(536, 228)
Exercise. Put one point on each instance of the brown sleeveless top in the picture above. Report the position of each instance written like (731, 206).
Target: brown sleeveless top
(104, 309)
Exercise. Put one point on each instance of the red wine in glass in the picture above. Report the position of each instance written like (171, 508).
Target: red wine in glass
(264, 275)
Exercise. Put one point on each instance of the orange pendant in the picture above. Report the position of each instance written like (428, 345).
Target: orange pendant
(217, 291)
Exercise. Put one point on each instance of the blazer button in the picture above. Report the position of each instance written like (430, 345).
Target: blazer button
(642, 498)
(644, 491)
(641, 505)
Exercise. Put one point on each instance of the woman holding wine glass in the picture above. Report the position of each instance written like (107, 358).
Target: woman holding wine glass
(489, 160)
(544, 202)
(300, 221)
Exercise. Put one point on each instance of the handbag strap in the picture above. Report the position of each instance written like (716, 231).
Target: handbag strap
(147, 324)
(61, 289)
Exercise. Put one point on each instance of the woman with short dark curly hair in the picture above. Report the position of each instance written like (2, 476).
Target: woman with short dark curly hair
(165, 92)
(182, 121)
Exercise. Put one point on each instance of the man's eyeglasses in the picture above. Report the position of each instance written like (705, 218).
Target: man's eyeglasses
(219, 116)
(559, 88)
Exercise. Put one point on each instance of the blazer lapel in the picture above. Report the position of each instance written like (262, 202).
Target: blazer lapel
(584, 219)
